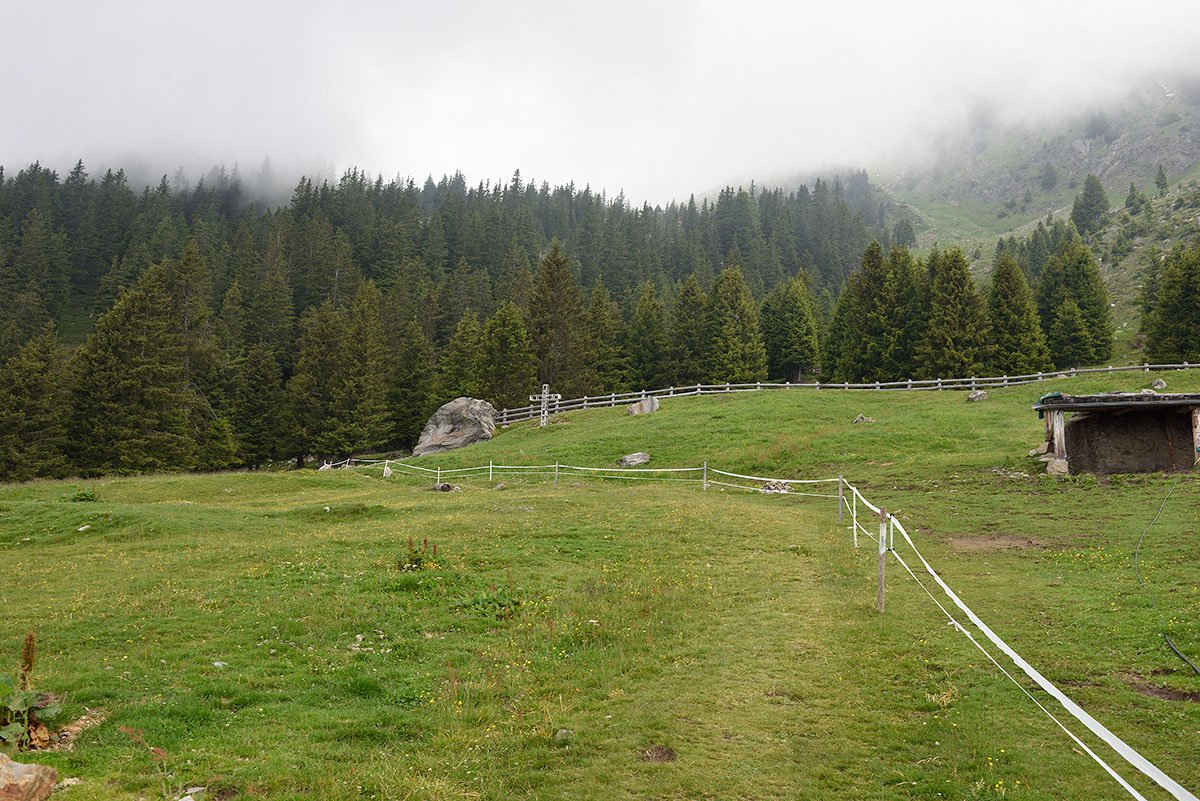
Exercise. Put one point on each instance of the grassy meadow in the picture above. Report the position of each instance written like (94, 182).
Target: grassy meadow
(605, 639)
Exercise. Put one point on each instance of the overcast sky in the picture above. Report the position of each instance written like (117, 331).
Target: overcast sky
(658, 99)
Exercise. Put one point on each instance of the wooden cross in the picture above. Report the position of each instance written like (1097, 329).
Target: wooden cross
(545, 398)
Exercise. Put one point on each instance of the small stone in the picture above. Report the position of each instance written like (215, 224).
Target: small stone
(1159, 384)
(862, 418)
(220, 664)
(500, 487)
(1056, 467)
(25, 782)
(563, 736)
(977, 395)
(634, 459)
(83, 528)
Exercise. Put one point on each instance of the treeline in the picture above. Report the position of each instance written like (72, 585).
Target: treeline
(229, 335)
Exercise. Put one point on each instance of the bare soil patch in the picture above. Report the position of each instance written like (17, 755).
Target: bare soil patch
(992, 542)
(1165, 693)
(658, 753)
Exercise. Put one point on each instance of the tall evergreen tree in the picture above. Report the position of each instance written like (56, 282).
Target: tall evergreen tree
(556, 326)
(1090, 207)
(645, 341)
(1073, 273)
(1173, 327)
(461, 365)
(33, 436)
(509, 373)
(956, 334)
(735, 348)
(606, 332)
(316, 391)
(414, 392)
(1069, 340)
(789, 330)
(367, 368)
(1160, 181)
(687, 335)
(260, 413)
(1018, 344)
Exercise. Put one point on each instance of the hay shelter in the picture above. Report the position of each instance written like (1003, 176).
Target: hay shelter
(1121, 432)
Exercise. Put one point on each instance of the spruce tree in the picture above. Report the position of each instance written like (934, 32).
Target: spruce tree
(607, 333)
(956, 334)
(414, 391)
(33, 435)
(687, 335)
(1090, 207)
(260, 414)
(461, 366)
(1173, 327)
(1073, 273)
(129, 400)
(556, 326)
(1068, 339)
(735, 349)
(1018, 344)
(509, 373)
(645, 342)
(316, 394)
(1160, 181)
(367, 370)
(789, 331)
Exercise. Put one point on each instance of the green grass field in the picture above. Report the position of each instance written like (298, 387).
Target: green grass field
(734, 632)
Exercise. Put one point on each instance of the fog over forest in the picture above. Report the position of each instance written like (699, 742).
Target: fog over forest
(659, 101)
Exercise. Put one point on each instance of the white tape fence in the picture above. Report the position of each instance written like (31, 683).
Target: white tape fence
(850, 502)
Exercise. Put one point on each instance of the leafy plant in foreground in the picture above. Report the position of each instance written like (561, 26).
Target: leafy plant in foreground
(22, 708)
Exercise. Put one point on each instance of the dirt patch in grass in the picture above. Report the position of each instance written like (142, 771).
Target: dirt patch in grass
(1165, 693)
(658, 753)
(991, 542)
(64, 739)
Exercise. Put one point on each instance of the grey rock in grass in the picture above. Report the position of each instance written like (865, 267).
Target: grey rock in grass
(25, 782)
(500, 487)
(1159, 384)
(862, 418)
(977, 395)
(1057, 467)
(461, 422)
(644, 406)
(634, 459)
(563, 736)
(1039, 450)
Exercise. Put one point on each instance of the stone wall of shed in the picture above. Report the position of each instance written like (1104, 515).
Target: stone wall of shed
(1142, 441)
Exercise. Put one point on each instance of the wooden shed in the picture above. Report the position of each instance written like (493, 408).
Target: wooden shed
(1121, 432)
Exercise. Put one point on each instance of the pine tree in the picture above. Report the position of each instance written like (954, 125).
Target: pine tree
(1160, 181)
(1073, 273)
(509, 373)
(1069, 340)
(315, 392)
(687, 337)
(556, 326)
(461, 367)
(789, 330)
(956, 334)
(1018, 344)
(1090, 207)
(33, 436)
(366, 374)
(414, 392)
(645, 341)
(606, 332)
(129, 401)
(260, 414)
(1173, 327)
(735, 348)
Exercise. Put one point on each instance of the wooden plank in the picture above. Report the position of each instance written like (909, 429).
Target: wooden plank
(1195, 435)
(1058, 433)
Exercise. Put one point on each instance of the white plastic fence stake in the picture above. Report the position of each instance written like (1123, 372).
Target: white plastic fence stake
(439, 475)
(704, 481)
(854, 516)
(556, 474)
(489, 469)
(841, 499)
(883, 526)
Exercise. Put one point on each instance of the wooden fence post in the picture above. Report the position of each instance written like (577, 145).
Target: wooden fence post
(882, 553)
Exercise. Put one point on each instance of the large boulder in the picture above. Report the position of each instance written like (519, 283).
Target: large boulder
(21, 782)
(634, 459)
(461, 422)
(644, 406)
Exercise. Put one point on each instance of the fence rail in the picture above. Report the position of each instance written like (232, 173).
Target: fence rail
(533, 411)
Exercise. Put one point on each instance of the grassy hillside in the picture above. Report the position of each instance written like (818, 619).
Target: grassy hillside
(684, 643)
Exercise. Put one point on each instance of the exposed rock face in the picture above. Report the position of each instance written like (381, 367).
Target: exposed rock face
(634, 459)
(977, 395)
(21, 782)
(644, 406)
(1159, 384)
(461, 422)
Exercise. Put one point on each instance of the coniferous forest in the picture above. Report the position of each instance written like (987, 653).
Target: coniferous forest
(186, 328)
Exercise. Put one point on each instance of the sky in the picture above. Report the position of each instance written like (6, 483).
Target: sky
(656, 99)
